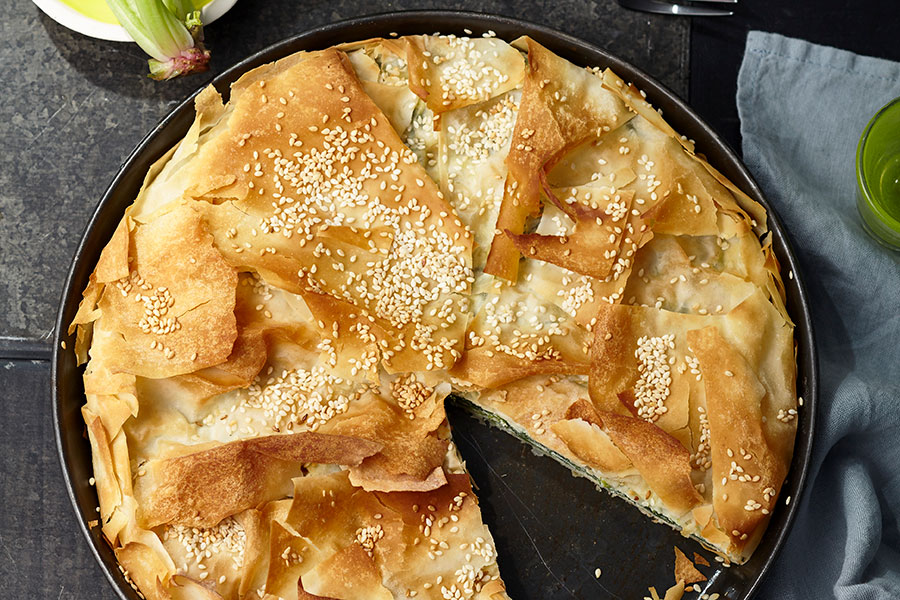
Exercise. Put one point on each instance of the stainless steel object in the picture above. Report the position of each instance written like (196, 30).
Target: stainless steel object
(690, 10)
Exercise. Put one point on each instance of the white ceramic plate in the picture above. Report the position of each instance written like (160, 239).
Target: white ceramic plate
(69, 17)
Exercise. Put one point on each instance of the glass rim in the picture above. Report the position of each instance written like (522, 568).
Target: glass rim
(861, 179)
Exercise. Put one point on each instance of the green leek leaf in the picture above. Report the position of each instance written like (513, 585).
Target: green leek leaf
(170, 31)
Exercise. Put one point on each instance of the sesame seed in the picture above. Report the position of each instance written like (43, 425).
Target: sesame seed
(652, 387)
(367, 537)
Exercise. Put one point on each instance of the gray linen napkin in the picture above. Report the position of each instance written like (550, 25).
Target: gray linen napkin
(802, 109)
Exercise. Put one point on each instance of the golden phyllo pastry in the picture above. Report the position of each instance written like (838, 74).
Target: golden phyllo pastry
(363, 232)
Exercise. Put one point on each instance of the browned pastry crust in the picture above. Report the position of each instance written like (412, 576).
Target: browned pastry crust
(560, 108)
(685, 570)
(200, 487)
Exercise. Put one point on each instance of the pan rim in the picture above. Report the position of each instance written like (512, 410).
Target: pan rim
(423, 21)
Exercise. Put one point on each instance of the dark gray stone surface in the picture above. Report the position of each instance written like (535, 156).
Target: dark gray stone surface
(73, 108)
(42, 553)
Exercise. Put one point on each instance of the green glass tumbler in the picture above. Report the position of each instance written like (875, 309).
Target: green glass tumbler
(878, 175)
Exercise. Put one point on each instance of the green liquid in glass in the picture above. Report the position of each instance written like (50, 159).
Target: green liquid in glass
(888, 184)
(878, 172)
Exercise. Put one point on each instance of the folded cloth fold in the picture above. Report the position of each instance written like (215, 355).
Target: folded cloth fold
(802, 109)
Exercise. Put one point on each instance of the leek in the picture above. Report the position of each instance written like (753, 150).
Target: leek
(170, 31)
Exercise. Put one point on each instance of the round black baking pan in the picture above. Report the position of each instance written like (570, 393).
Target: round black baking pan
(552, 530)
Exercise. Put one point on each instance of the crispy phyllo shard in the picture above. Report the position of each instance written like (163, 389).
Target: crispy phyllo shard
(112, 265)
(747, 472)
(472, 145)
(774, 284)
(411, 453)
(247, 358)
(345, 574)
(676, 592)
(700, 560)
(661, 459)
(584, 410)
(615, 367)
(753, 208)
(673, 275)
(561, 107)
(177, 302)
(383, 71)
(201, 488)
(738, 201)
(450, 72)
(515, 335)
(637, 101)
(145, 568)
(593, 245)
(286, 555)
(492, 369)
(113, 262)
(109, 491)
(377, 540)
(582, 432)
(592, 445)
(111, 396)
(685, 570)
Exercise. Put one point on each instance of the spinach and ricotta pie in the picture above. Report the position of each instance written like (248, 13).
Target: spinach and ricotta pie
(360, 233)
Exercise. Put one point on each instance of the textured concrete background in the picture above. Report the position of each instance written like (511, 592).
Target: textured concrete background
(72, 109)
(43, 555)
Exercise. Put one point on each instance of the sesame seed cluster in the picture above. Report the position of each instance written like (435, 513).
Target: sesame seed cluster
(155, 320)
(299, 397)
(459, 68)
(491, 131)
(201, 544)
(367, 537)
(652, 387)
